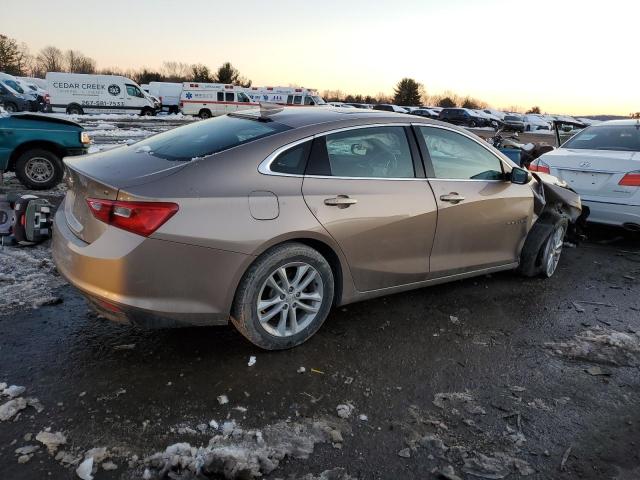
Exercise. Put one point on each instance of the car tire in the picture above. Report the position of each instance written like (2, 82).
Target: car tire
(472, 124)
(205, 113)
(10, 107)
(146, 112)
(283, 323)
(75, 109)
(39, 169)
(539, 245)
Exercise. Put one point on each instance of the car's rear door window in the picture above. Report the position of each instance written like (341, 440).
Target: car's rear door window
(207, 137)
(456, 157)
(374, 152)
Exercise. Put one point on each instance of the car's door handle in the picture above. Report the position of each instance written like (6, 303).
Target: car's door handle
(453, 197)
(341, 201)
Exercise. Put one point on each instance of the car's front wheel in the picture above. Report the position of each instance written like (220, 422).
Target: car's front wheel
(39, 169)
(542, 248)
(284, 297)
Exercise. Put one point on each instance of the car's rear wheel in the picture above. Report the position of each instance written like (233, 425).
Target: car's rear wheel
(284, 297)
(472, 123)
(10, 107)
(205, 113)
(39, 169)
(147, 112)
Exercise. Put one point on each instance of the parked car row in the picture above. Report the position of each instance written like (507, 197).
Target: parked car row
(19, 95)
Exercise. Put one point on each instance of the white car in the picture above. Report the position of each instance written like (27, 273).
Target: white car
(534, 123)
(602, 164)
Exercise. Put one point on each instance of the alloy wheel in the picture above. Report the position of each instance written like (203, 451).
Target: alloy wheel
(39, 169)
(290, 299)
(553, 250)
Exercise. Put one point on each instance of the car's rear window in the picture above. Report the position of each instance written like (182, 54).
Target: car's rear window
(609, 137)
(207, 137)
(513, 118)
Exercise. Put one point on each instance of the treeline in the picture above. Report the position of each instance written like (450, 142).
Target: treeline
(408, 92)
(16, 59)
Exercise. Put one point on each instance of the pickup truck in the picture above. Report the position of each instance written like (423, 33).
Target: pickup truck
(33, 146)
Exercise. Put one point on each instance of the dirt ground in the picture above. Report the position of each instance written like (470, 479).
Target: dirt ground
(493, 377)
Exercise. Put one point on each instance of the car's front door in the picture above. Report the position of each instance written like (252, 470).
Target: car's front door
(361, 185)
(483, 218)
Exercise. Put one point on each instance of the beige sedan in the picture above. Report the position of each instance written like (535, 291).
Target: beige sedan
(271, 217)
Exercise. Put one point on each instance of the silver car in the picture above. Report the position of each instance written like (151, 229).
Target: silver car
(602, 164)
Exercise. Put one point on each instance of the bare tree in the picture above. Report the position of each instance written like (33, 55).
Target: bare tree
(77, 62)
(51, 59)
(176, 71)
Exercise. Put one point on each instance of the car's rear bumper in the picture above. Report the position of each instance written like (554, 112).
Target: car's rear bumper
(146, 281)
(613, 213)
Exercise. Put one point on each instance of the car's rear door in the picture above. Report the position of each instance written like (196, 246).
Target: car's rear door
(363, 185)
(483, 219)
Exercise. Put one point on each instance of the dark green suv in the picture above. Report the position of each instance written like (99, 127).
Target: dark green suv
(34, 145)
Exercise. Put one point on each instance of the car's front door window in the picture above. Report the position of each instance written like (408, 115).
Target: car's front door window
(456, 157)
(376, 152)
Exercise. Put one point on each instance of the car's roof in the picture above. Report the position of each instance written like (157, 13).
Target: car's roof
(302, 117)
(622, 123)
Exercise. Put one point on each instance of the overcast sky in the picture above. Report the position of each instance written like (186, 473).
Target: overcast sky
(576, 57)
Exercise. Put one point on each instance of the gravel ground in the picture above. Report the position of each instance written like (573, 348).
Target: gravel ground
(493, 377)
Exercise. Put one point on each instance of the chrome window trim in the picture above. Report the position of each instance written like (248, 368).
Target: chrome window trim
(265, 166)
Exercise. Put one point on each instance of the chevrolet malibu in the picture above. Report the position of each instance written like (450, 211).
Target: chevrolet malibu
(270, 217)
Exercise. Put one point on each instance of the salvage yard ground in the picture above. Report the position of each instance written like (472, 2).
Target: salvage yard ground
(493, 377)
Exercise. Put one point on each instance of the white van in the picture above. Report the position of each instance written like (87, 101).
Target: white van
(168, 93)
(285, 95)
(208, 100)
(77, 93)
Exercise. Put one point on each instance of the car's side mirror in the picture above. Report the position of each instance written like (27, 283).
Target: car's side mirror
(520, 176)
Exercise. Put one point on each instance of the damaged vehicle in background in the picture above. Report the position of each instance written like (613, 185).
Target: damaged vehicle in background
(304, 209)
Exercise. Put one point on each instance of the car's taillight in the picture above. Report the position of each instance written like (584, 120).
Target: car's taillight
(84, 138)
(142, 218)
(181, 104)
(631, 179)
(539, 166)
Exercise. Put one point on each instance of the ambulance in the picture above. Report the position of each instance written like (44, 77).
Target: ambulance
(285, 95)
(208, 100)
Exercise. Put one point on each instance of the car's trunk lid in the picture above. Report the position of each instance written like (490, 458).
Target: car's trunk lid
(594, 173)
(102, 176)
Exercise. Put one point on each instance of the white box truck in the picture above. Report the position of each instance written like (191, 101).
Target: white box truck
(208, 100)
(168, 93)
(285, 95)
(77, 94)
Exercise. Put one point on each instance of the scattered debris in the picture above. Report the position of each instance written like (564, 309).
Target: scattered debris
(597, 371)
(239, 454)
(314, 370)
(344, 410)
(84, 469)
(108, 466)
(362, 417)
(497, 466)
(348, 380)
(454, 319)
(601, 345)
(128, 346)
(456, 399)
(565, 457)
(405, 453)
(448, 473)
(333, 474)
(301, 370)
(252, 361)
(13, 391)
(12, 407)
(213, 424)
(51, 440)
(223, 399)
(27, 450)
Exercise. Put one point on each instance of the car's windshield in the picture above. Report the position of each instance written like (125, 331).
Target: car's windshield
(207, 137)
(13, 85)
(513, 118)
(607, 137)
(318, 100)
